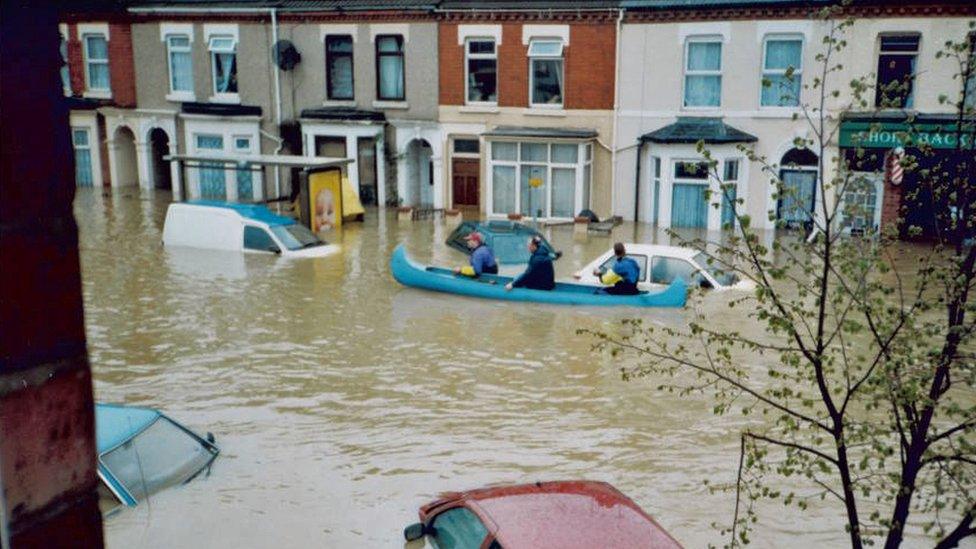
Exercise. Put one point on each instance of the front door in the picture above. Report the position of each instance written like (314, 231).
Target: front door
(797, 204)
(366, 157)
(465, 181)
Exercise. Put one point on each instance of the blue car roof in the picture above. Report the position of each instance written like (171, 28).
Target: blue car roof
(115, 424)
(255, 212)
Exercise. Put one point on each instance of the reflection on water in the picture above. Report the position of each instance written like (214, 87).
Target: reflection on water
(342, 401)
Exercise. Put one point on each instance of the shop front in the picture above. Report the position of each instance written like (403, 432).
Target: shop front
(896, 161)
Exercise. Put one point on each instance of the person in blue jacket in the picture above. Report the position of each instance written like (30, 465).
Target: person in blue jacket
(622, 278)
(482, 260)
(539, 275)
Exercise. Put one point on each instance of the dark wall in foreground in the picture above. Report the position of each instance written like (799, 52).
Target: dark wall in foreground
(47, 450)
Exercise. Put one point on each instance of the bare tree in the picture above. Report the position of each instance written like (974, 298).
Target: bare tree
(871, 401)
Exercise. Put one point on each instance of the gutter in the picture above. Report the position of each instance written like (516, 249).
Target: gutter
(640, 147)
(277, 90)
(616, 115)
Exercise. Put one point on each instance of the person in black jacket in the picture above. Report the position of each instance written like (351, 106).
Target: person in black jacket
(539, 275)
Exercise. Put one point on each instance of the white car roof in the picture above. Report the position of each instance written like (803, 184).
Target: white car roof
(660, 250)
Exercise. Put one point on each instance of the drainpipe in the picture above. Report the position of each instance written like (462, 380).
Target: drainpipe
(616, 115)
(640, 147)
(277, 88)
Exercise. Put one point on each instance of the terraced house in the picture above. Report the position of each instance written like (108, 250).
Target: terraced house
(690, 73)
(526, 105)
(337, 79)
(541, 109)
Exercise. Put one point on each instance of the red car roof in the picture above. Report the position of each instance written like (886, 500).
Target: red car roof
(564, 515)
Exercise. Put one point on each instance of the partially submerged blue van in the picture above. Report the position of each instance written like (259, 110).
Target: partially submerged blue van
(141, 451)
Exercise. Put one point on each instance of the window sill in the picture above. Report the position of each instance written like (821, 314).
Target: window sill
(181, 97)
(97, 94)
(390, 104)
(339, 103)
(479, 109)
(538, 110)
(230, 98)
(778, 112)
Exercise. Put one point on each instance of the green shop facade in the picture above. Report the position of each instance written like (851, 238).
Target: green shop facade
(873, 145)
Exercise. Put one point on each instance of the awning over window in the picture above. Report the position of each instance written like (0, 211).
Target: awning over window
(694, 129)
(260, 160)
(221, 109)
(550, 133)
(344, 114)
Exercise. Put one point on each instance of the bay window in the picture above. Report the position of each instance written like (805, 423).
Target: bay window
(549, 180)
(481, 66)
(703, 72)
(96, 62)
(389, 68)
(730, 193)
(782, 64)
(338, 67)
(223, 61)
(180, 63)
(546, 72)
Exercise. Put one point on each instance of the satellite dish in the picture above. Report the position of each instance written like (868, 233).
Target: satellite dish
(285, 55)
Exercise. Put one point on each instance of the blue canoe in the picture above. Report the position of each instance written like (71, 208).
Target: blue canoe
(410, 273)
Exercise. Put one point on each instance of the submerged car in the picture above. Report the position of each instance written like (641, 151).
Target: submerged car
(216, 225)
(506, 239)
(666, 263)
(543, 515)
(141, 451)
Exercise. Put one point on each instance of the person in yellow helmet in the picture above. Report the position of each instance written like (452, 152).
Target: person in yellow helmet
(482, 260)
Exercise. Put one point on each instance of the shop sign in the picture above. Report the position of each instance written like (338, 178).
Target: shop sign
(873, 135)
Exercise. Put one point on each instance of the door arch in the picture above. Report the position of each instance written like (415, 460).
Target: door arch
(162, 177)
(420, 174)
(125, 162)
(796, 206)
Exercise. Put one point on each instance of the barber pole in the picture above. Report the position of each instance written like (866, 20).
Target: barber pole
(895, 170)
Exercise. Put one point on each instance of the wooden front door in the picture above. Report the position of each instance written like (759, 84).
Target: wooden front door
(465, 181)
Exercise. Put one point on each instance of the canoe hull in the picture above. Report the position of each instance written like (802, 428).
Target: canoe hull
(410, 273)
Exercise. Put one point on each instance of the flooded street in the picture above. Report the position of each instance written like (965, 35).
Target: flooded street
(342, 401)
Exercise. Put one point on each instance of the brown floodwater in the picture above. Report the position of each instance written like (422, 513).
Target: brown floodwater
(342, 401)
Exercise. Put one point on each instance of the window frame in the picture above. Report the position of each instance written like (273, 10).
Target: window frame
(65, 70)
(909, 100)
(547, 57)
(219, 95)
(685, 72)
(330, 57)
(726, 179)
(583, 162)
(468, 56)
(763, 71)
(169, 61)
(89, 61)
(403, 64)
(969, 85)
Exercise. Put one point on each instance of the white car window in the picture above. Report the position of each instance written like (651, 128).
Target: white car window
(665, 269)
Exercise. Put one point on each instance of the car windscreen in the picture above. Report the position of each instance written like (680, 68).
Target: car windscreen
(296, 237)
(722, 276)
(162, 455)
